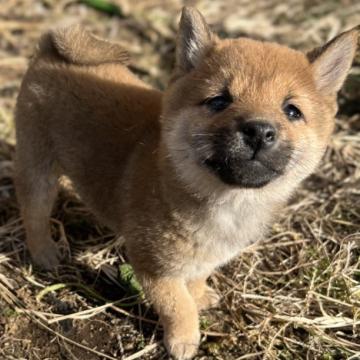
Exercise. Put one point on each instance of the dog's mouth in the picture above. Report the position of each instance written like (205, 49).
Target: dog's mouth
(237, 163)
(243, 173)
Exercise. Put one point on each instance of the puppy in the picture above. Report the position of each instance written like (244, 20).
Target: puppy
(190, 176)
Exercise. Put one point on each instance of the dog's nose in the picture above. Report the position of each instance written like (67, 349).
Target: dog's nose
(258, 134)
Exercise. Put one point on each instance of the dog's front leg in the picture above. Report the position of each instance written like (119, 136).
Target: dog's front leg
(205, 297)
(178, 314)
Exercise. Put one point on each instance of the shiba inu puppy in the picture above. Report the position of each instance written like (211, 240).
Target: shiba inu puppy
(190, 176)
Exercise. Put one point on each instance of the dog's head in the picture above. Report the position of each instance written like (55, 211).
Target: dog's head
(248, 114)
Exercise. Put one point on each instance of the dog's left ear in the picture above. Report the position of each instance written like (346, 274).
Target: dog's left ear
(194, 39)
(332, 62)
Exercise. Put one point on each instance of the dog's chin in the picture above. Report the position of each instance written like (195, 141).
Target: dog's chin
(244, 174)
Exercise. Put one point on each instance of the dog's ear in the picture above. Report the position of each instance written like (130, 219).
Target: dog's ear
(332, 62)
(193, 41)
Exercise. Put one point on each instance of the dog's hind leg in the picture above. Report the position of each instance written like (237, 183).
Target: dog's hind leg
(36, 187)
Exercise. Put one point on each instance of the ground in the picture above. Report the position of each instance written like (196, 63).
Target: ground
(294, 295)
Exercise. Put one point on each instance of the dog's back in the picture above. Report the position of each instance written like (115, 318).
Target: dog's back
(79, 109)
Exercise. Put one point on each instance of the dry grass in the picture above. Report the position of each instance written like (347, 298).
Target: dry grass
(295, 295)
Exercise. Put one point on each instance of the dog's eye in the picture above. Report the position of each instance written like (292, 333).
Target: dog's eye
(218, 103)
(292, 112)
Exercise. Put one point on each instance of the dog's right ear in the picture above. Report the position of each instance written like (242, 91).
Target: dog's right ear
(193, 41)
(332, 62)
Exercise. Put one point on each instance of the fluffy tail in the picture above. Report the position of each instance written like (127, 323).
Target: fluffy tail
(77, 46)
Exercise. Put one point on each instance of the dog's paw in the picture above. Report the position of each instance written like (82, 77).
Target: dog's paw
(47, 256)
(182, 347)
(208, 300)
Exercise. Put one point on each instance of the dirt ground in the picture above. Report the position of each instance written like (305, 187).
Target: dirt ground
(295, 295)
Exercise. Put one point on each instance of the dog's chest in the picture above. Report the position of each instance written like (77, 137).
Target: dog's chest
(226, 230)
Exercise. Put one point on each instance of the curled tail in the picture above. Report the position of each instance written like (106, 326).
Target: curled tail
(78, 46)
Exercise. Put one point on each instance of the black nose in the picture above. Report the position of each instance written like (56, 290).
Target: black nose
(258, 134)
